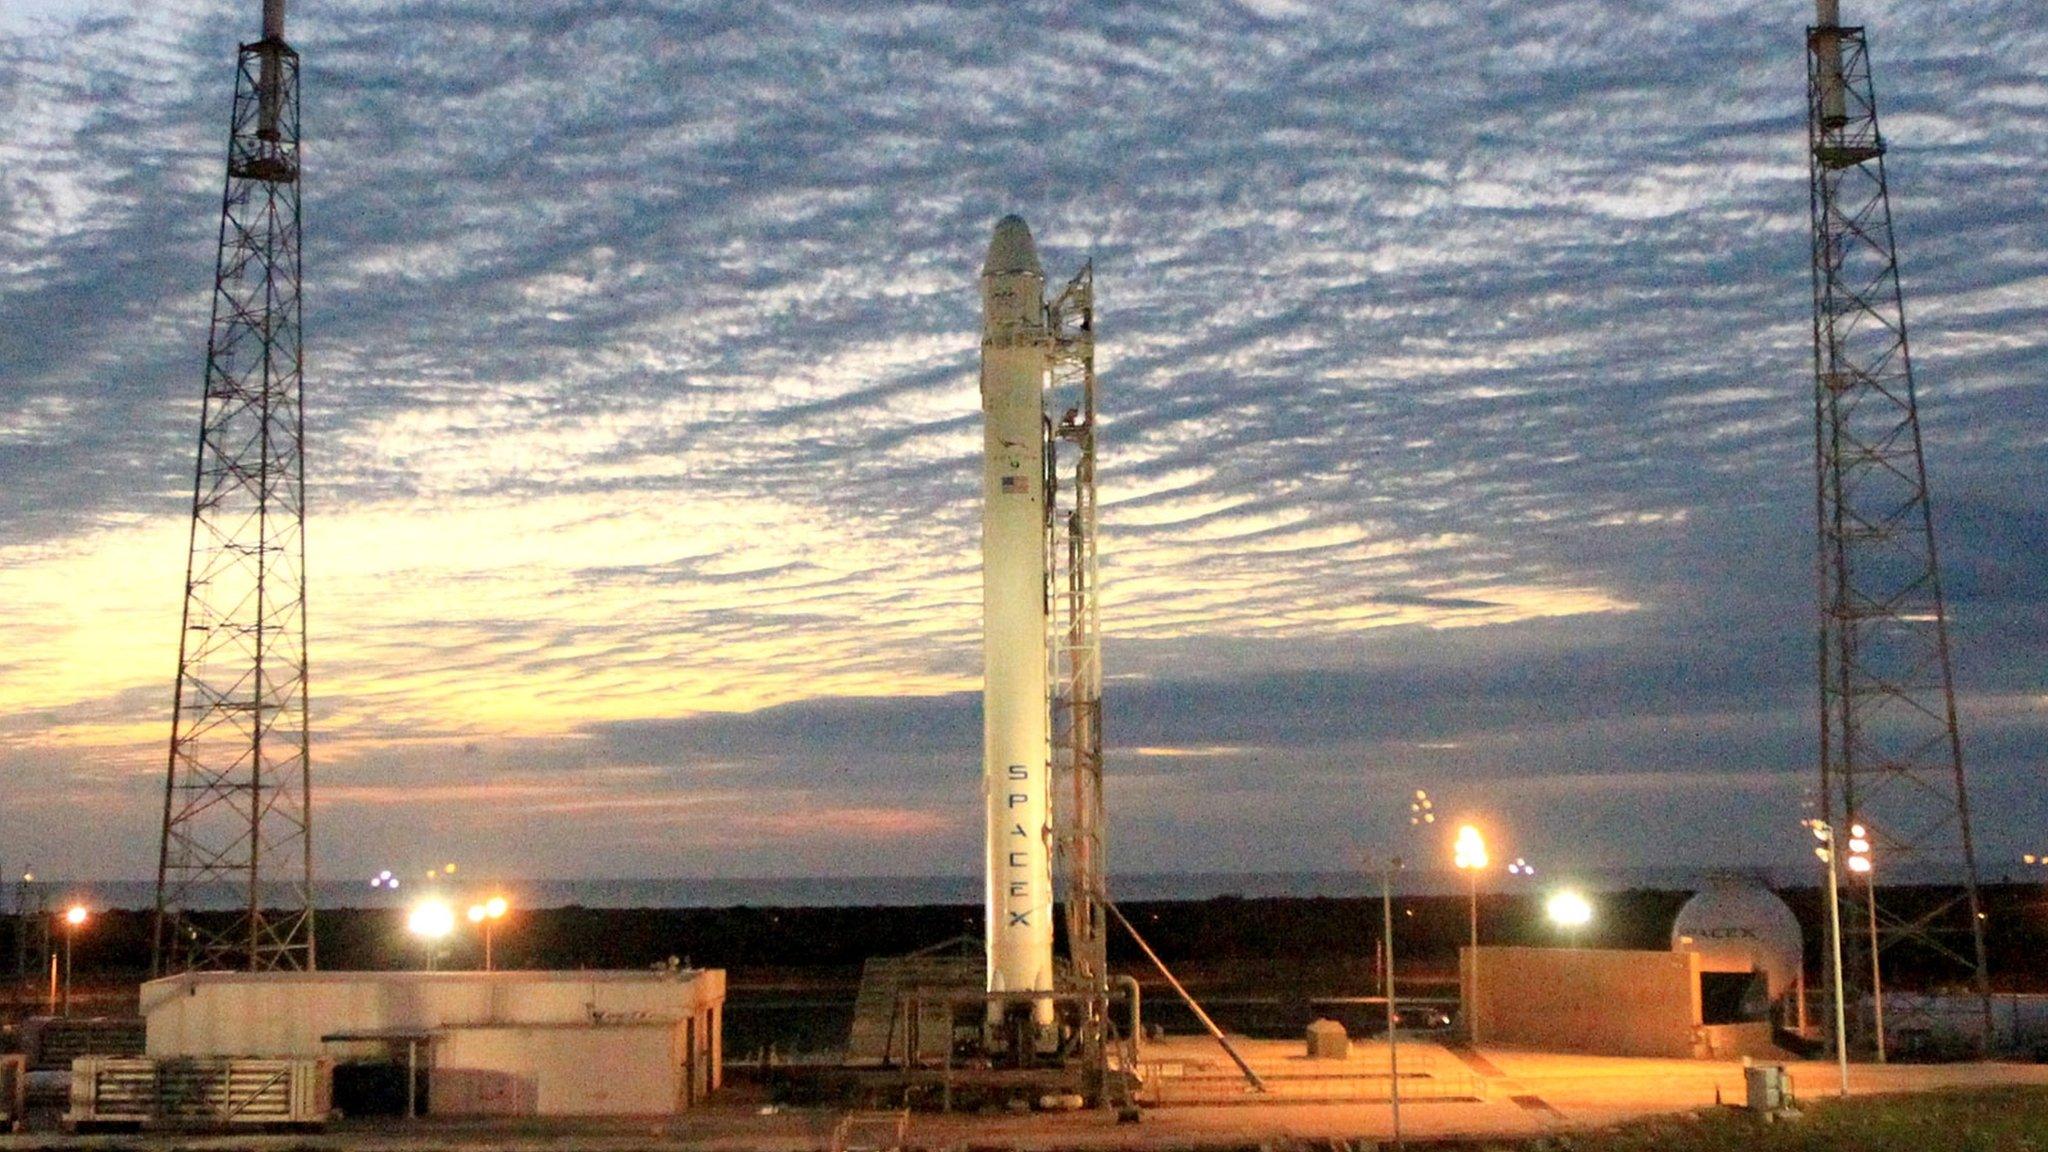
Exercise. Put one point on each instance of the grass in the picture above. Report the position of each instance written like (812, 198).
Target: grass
(2002, 1119)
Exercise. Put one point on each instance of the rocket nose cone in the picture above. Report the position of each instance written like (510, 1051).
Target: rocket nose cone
(1011, 250)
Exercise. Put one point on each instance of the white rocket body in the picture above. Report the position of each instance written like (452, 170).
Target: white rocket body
(1015, 715)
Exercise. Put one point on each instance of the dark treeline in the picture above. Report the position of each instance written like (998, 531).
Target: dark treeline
(1211, 939)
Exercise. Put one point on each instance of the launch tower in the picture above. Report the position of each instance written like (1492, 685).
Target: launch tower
(1890, 753)
(1078, 822)
(235, 863)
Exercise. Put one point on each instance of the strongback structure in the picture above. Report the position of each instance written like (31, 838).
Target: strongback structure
(1890, 752)
(235, 865)
(1078, 832)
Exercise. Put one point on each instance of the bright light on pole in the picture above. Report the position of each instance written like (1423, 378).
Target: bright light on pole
(1421, 810)
(431, 921)
(1469, 853)
(487, 914)
(74, 918)
(1859, 861)
(1568, 910)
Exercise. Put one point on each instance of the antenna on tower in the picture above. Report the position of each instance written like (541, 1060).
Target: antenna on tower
(235, 862)
(1891, 758)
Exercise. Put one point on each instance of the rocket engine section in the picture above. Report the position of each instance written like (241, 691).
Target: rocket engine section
(1016, 724)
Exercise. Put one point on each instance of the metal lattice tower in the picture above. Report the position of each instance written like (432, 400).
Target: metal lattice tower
(235, 864)
(1076, 647)
(1891, 754)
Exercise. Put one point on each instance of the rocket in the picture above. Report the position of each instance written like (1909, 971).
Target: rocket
(1015, 713)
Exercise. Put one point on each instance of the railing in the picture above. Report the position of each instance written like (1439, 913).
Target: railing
(199, 1091)
(1427, 1074)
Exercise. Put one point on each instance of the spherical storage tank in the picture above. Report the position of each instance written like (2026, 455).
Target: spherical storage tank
(1738, 925)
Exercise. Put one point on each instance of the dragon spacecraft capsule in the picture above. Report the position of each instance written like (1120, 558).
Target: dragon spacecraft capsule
(1016, 723)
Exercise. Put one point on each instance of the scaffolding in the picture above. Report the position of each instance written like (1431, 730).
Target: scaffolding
(1075, 646)
(235, 864)
(1890, 749)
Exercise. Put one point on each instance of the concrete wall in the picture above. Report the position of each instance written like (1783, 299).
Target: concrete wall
(1728, 1041)
(286, 1013)
(615, 1069)
(1593, 1000)
(546, 1043)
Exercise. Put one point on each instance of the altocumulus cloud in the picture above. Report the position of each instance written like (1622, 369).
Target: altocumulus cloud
(1455, 393)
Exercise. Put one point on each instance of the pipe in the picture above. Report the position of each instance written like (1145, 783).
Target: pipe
(1137, 1014)
(1214, 1031)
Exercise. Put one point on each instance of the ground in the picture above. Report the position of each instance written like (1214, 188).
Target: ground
(1496, 1097)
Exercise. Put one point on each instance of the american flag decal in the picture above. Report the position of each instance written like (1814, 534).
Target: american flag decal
(1017, 484)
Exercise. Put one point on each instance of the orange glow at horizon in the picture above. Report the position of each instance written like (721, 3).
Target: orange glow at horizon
(498, 618)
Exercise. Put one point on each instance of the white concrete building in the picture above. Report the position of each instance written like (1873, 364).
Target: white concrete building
(492, 1043)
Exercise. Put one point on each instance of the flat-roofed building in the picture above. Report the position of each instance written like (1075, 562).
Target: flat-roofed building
(504, 1043)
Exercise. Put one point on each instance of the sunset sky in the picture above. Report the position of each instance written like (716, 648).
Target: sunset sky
(1456, 387)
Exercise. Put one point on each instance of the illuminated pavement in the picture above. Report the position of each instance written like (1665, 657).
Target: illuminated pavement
(1493, 1093)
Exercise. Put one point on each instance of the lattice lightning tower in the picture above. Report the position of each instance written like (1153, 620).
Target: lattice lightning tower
(235, 864)
(1891, 755)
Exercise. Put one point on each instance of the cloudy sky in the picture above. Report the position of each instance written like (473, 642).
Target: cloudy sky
(1456, 386)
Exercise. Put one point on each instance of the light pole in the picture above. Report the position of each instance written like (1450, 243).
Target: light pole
(1826, 835)
(1393, 1017)
(1859, 862)
(1469, 853)
(1421, 811)
(21, 920)
(431, 921)
(1569, 911)
(74, 917)
(486, 915)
